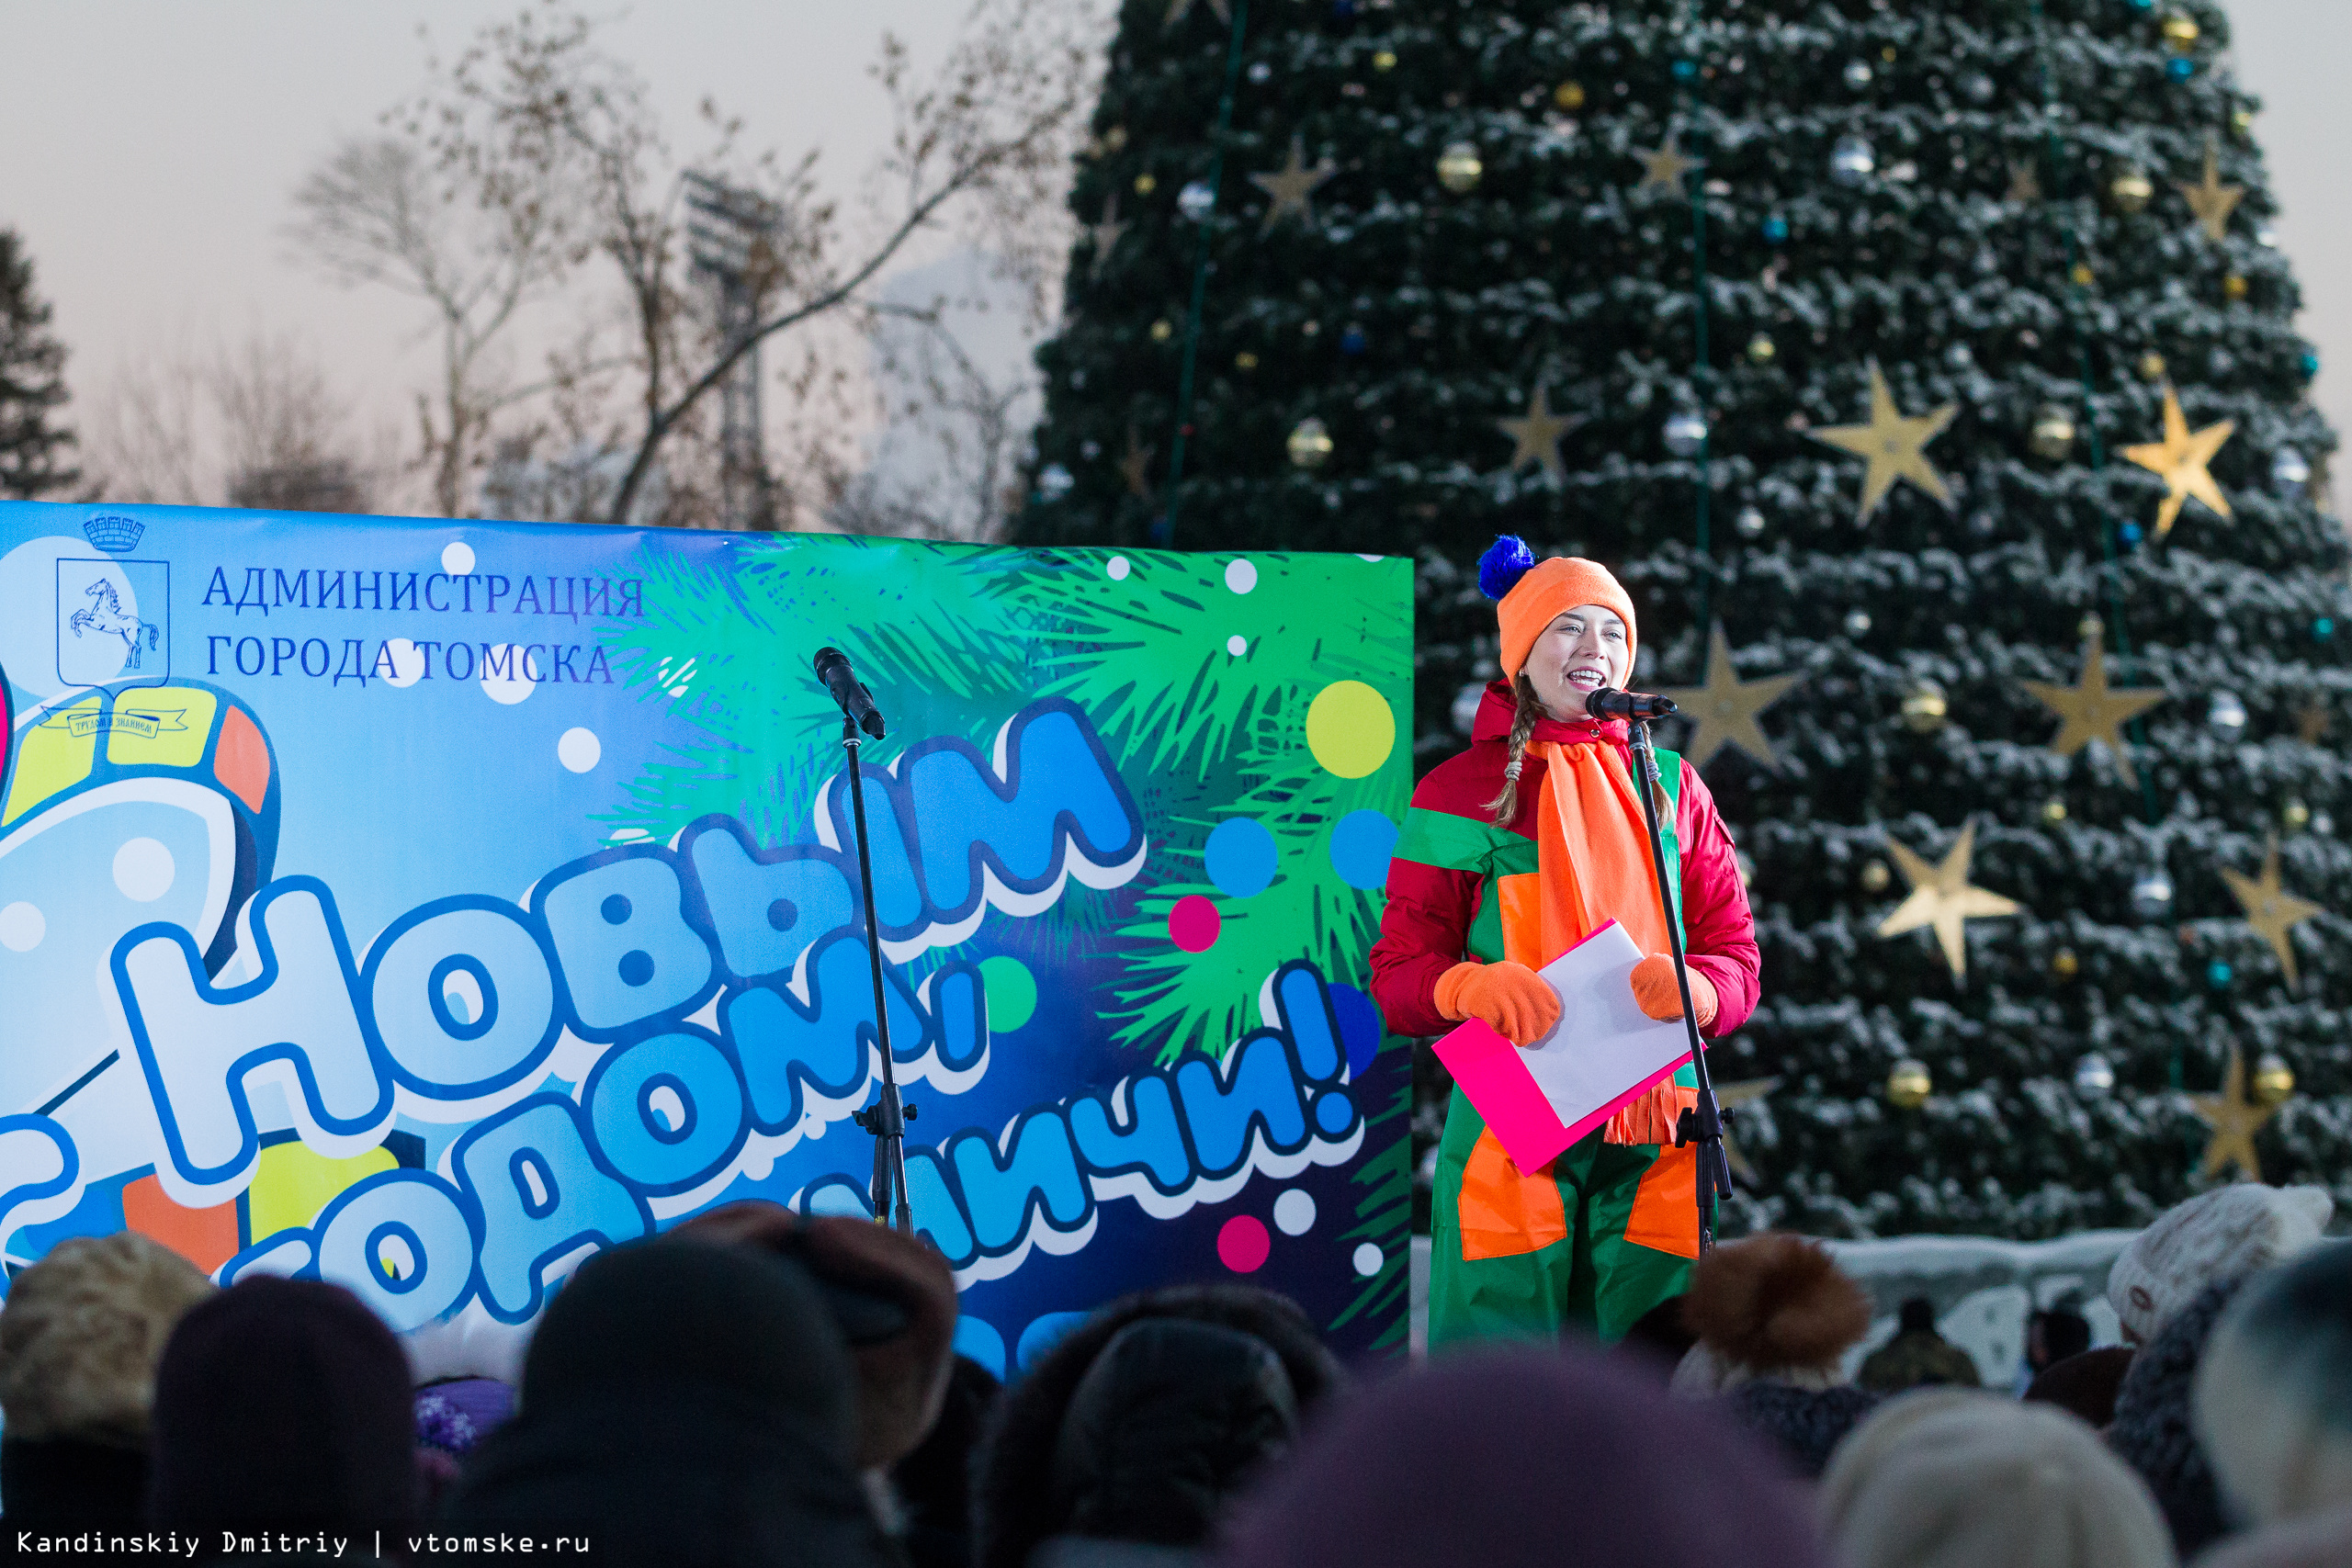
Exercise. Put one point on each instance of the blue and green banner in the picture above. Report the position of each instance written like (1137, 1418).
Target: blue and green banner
(423, 905)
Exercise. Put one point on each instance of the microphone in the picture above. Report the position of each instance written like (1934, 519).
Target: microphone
(1610, 703)
(832, 668)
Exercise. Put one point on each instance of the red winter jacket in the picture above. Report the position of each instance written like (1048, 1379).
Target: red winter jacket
(1441, 893)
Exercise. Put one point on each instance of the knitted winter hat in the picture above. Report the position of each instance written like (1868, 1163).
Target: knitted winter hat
(2316, 1541)
(286, 1402)
(1529, 596)
(2274, 1393)
(1451, 1465)
(1772, 1306)
(2223, 1235)
(84, 1329)
(1977, 1479)
(455, 1415)
(2154, 1431)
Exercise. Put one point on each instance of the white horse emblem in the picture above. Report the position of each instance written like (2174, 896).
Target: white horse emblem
(104, 614)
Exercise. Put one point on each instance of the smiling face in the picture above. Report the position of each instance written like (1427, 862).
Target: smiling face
(1582, 650)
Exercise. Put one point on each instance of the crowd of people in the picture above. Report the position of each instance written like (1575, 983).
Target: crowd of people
(759, 1387)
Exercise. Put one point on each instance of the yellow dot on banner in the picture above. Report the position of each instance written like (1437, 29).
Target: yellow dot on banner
(1350, 728)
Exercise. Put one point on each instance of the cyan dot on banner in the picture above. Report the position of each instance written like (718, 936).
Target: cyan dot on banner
(1012, 997)
(1194, 923)
(1360, 845)
(1242, 1244)
(1360, 1027)
(1241, 857)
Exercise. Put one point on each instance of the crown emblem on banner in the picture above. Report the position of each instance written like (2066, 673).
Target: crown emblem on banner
(113, 535)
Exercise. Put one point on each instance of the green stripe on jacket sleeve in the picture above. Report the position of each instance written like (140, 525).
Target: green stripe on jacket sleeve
(1463, 844)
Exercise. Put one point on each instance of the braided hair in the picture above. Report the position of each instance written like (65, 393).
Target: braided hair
(1505, 805)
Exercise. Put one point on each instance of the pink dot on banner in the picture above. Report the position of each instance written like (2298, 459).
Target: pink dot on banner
(1242, 1244)
(1192, 924)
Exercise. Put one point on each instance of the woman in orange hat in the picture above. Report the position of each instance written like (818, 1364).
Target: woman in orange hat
(1512, 853)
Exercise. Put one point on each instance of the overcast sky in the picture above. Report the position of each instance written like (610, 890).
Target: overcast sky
(149, 146)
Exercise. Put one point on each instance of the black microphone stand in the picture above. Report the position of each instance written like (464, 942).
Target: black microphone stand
(888, 1117)
(1703, 1123)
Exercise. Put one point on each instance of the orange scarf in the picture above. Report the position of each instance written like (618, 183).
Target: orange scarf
(1593, 866)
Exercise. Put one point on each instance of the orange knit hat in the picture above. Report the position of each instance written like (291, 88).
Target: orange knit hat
(1530, 595)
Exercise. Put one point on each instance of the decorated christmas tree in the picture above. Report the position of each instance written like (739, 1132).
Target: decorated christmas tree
(1930, 371)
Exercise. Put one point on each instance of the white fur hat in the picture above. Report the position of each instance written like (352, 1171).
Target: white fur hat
(1966, 1480)
(2223, 1235)
(2274, 1389)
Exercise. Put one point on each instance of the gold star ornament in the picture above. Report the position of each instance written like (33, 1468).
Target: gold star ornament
(1135, 467)
(2089, 710)
(1293, 186)
(1943, 899)
(2235, 1119)
(1663, 167)
(2269, 908)
(1894, 446)
(2209, 199)
(1538, 435)
(1106, 234)
(2180, 459)
(1722, 712)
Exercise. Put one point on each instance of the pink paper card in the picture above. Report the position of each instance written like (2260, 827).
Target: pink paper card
(1489, 1070)
(1604, 1053)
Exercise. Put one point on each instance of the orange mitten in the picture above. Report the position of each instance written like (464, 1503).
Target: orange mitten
(1655, 990)
(1511, 997)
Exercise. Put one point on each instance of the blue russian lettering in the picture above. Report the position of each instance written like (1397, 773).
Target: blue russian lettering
(396, 590)
(401, 1241)
(668, 1111)
(464, 996)
(622, 941)
(542, 1194)
(1040, 1172)
(199, 1046)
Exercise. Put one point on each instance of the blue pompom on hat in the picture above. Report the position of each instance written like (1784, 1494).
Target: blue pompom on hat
(1505, 561)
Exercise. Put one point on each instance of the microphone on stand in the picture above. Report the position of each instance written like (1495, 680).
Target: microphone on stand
(832, 668)
(1610, 703)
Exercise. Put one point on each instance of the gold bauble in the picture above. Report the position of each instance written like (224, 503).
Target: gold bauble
(1309, 445)
(1162, 330)
(1761, 349)
(2089, 626)
(2053, 434)
(2064, 963)
(2180, 33)
(1384, 61)
(1908, 1086)
(1569, 96)
(2152, 366)
(2053, 810)
(2274, 1081)
(1923, 708)
(2242, 122)
(2130, 191)
(1874, 876)
(2295, 816)
(1115, 139)
(2234, 286)
(2083, 275)
(1245, 360)
(1146, 185)
(1458, 168)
